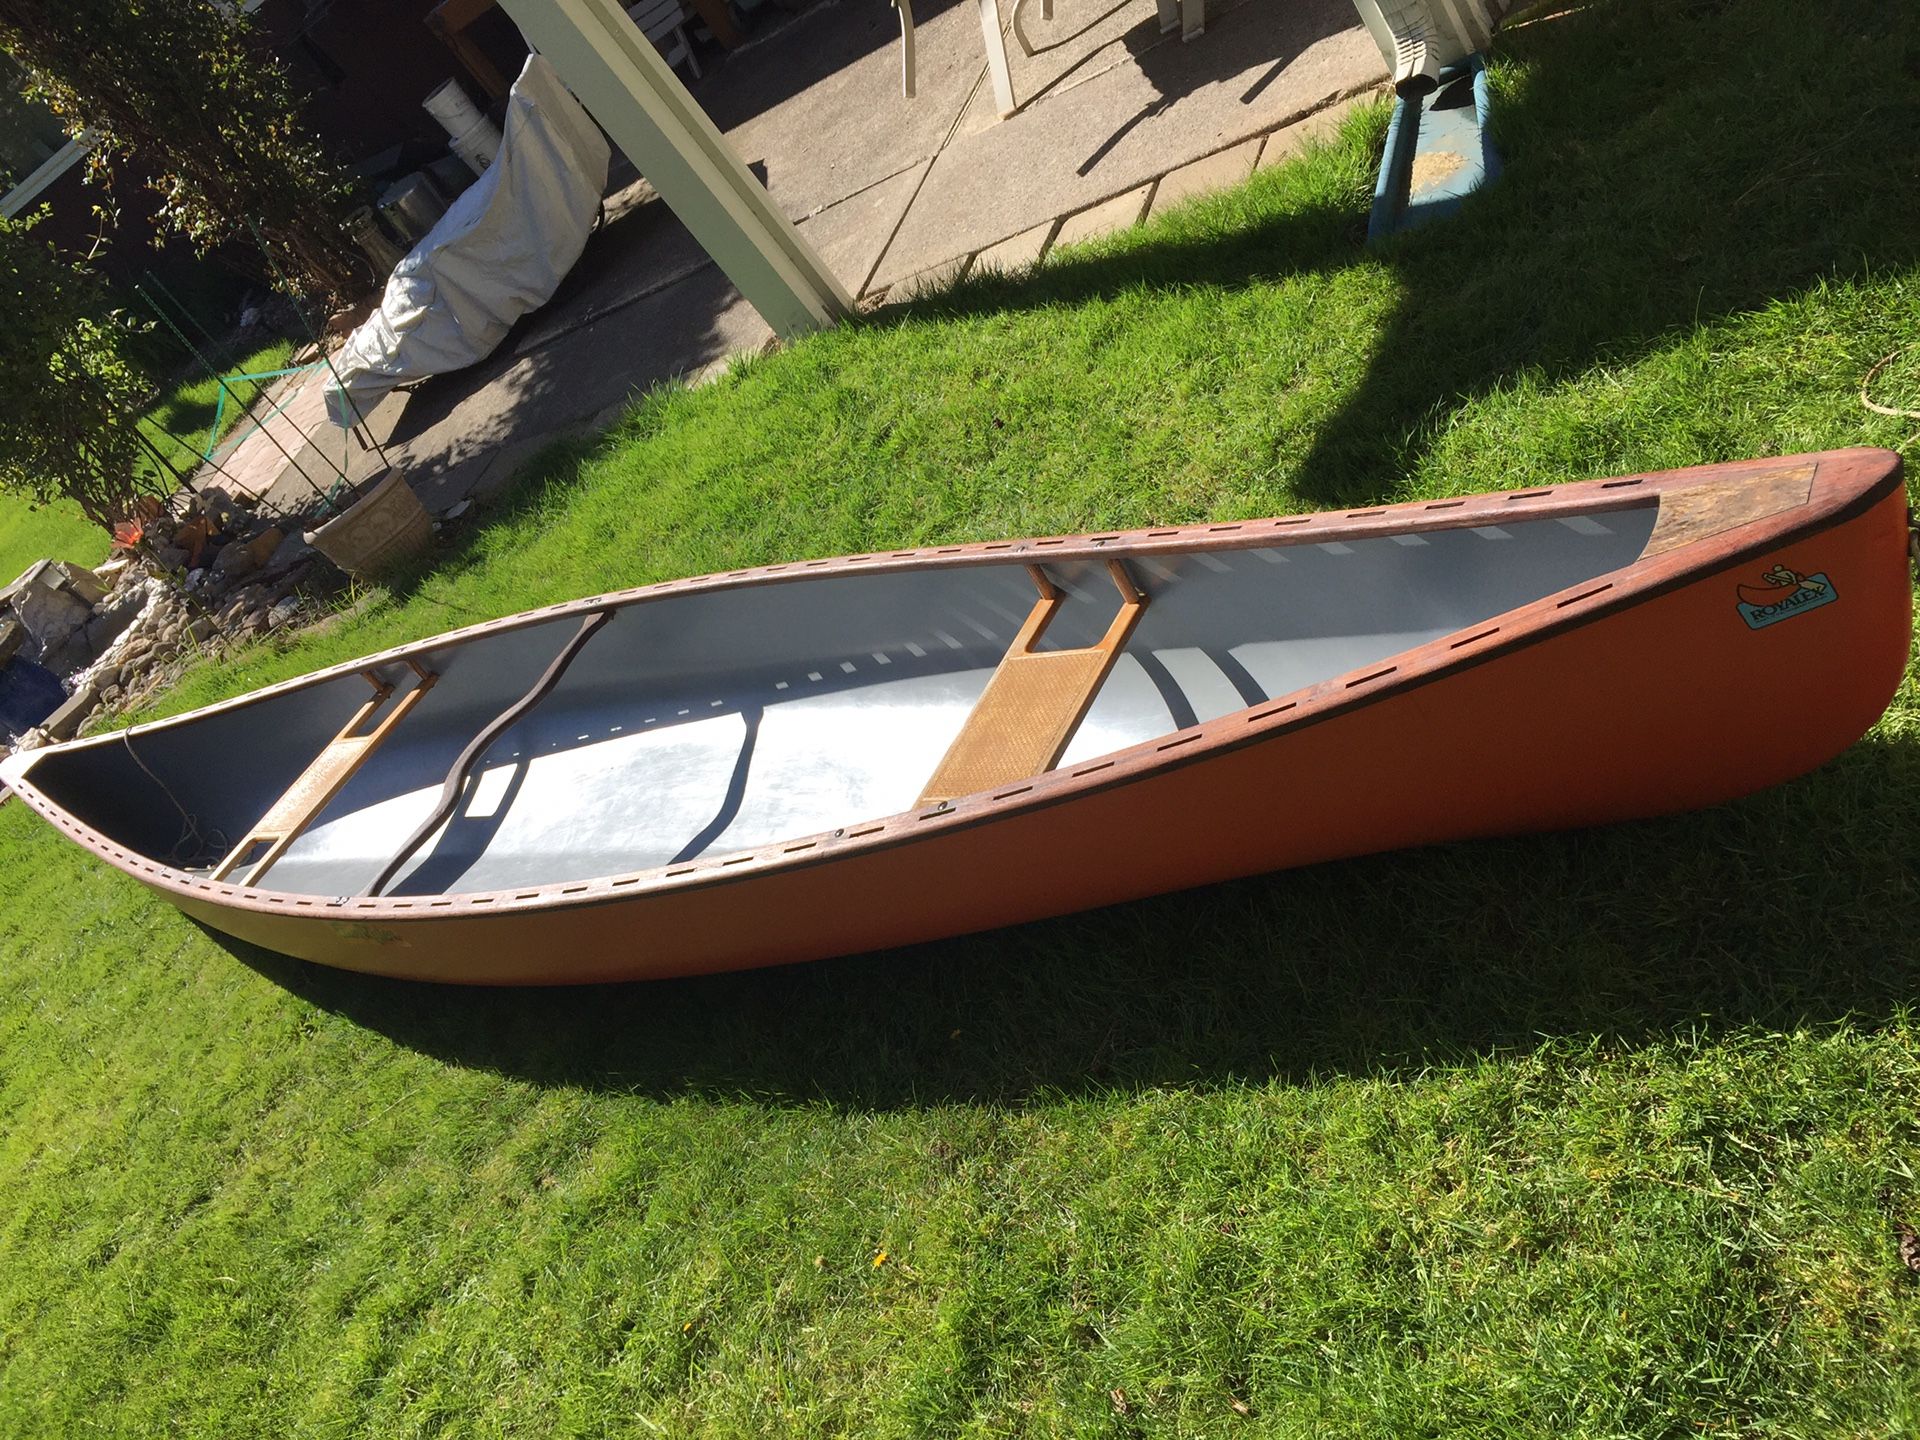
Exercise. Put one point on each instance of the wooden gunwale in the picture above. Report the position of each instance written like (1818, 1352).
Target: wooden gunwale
(1640, 581)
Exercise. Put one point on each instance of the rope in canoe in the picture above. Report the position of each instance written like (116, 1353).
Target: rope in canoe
(190, 825)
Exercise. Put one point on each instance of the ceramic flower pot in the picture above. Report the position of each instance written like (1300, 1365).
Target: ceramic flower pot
(381, 529)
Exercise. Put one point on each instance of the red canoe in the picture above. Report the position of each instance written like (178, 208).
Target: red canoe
(831, 756)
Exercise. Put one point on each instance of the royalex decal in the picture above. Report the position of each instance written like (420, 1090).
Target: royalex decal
(1785, 594)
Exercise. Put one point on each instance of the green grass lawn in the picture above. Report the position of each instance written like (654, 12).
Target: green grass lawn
(1603, 1133)
(178, 426)
(45, 532)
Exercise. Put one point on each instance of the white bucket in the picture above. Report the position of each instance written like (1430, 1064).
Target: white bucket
(451, 107)
(478, 145)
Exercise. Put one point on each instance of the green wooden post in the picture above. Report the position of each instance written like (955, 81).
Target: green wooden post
(617, 74)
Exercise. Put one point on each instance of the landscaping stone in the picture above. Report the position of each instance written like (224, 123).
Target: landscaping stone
(12, 636)
(115, 568)
(65, 722)
(49, 614)
(27, 577)
(237, 605)
(112, 619)
(243, 557)
(80, 581)
(225, 509)
(293, 548)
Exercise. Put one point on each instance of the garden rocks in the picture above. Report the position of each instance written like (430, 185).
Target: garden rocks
(142, 612)
(112, 618)
(112, 570)
(239, 558)
(292, 550)
(117, 639)
(167, 628)
(226, 510)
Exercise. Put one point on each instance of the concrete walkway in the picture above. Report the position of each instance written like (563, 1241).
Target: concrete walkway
(1116, 120)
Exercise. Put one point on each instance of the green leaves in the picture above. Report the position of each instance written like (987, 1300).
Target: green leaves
(184, 88)
(67, 396)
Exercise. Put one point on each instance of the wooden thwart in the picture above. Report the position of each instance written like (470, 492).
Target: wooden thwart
(1036, 698)
(289, 816)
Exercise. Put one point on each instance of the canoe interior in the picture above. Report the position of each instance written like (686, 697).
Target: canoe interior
(706, 722)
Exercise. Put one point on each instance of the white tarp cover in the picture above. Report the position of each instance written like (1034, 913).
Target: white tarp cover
(501, 250)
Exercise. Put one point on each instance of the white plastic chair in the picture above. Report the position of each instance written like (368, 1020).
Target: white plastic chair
(664, 22)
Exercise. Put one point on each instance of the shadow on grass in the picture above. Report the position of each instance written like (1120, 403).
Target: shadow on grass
(187, 418)
(1794, 907)
(1668, 164)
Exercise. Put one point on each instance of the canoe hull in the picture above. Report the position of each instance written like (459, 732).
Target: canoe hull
(1665, 700)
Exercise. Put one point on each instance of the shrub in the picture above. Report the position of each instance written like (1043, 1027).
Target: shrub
(180, 87)
(68, 398)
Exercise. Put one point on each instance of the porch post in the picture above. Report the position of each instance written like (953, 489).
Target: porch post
(617, 74)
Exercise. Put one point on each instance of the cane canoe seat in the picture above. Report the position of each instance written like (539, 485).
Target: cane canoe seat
(1036, 698)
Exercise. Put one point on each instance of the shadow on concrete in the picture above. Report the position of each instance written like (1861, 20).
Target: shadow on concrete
(1238, 36)
(1317, 239)
(1119, 104)
(466, 432)
(1138, 39)
(808, 48)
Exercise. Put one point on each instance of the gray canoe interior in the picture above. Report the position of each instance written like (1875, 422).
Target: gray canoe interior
(699, 724)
